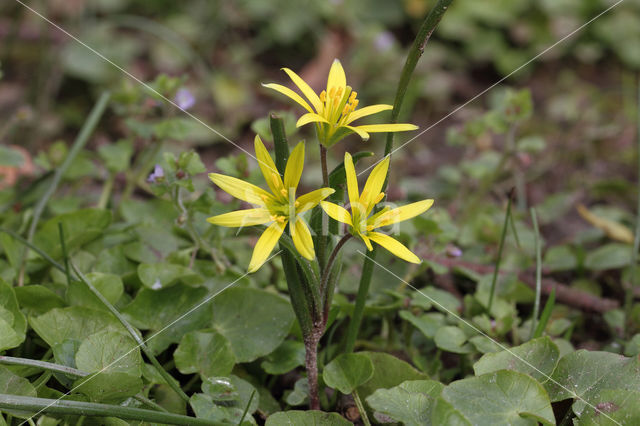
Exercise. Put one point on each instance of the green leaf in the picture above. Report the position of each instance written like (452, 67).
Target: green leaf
(80, 227)
(502, 397)
(348, 371)
(254, 321)
(428, 324)
(75, 323)
(37, 299)
(108, 387)
(205, 408)
(161, 275)
(116, 156)
(156, 309)
(560, 258)
(109, 285)
(541, 354)
(300, 393)
(12, 384)
(306, 418)
(109, 351)
(10, 157)
(609, 256)
(206, 352)
(13, 324)
(614, 407)
(219, 388)
(289, 355)
(452, 339)
(585, 374)
(388, 371)
(410, 402)
(443, 301)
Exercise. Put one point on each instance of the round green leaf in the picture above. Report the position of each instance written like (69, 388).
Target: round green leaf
(254, 321)
(206, 352)
(499, 398)
(410, 402)
(613, 407)
(306, 418)
(388, 371)
(452, 339)
(161, 275)
(347, 372)
(289, 355)
(37, 299)
(109, 285)
(109, 351)
(108, 387)
(609, 256)
(13, 324)
(541, 356)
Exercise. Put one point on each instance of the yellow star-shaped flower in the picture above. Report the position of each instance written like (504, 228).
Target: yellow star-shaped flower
(361, 223)
(334, 109)
(278, 207)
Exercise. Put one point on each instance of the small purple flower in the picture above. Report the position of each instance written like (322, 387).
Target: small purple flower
(453, 251)
(157, 174)
(184, 98)
(384, 41)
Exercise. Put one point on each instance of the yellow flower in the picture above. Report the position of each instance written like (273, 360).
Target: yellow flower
(278, 207)
(361, 224)
(334, 109)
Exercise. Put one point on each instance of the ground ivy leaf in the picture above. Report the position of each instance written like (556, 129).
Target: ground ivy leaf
(154, 310)
(542, 353)
(621, 406)
(452, 339)
(161, 275)
(108, 387)
(37, 299)
(76, 323)
(254, 321)
(388, 371)
(348, 371)
(13, 324)
(587, 373)
(608, 256)
(428, 323)
(501, 397)
(109, 351)
(219, 388)
(206, 352)
(300, 393)
(13, 384)
(306, 418)
(109, 285)
(289, 355)
(205, 408)
(80, 227)
(410, 402)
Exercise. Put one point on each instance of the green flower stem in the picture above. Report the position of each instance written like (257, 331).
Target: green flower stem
(628, 299)
(329, 267)
(86, 131)
(417, 49)
(134, 333)
(57, 368)
(361, 298)
(89, 409)
(500, 247)
(107, 189)
(361, 409)
(324, 228)
(536, 305)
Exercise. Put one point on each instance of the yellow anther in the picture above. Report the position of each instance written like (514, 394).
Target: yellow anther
(284, 192)
(265, 198)
(332, 92)
(273, 217)
(353, 96)
(280, 219)
(346, 109)
(323, 96)
(378, 198)
(354, 104)
(339, 92)
(296, 204)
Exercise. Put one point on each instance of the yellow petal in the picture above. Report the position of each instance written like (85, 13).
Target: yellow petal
(311, 199)
(374, 184)
(305, 89)
(268, 167)
(336, 212)
(293, 171)
(241, 218)
(310, 117)
(302, 239)
(358, 129)
(366, 241)
(289, 93)
(336, 78)
(352, 182)
(394, 246)
(240, 189)
(375, 128)
(265, 245)
(401, 213)
(368, 110)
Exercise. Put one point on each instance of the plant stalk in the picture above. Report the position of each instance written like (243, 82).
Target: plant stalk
(536, 305)
(628, 300)
(503, 236)
(90, 409)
